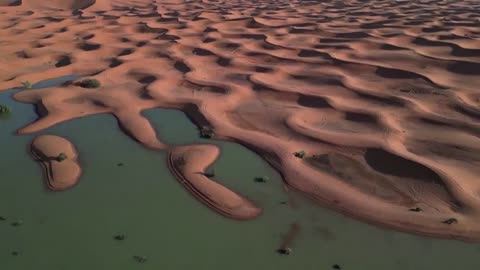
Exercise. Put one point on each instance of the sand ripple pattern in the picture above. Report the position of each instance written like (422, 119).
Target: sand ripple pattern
(382, 95)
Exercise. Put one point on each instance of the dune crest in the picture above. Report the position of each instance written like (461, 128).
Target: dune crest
(384, 105)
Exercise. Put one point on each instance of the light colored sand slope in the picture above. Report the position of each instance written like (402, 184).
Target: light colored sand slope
(59, 160)
(189, 163)
(381, 95)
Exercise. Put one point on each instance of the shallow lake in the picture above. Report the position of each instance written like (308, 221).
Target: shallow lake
(74, 229)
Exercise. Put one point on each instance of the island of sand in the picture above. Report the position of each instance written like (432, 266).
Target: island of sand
(380, 96)
(59, 160)
(188, 164)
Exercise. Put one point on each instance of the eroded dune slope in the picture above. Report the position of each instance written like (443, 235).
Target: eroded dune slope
(381, 95)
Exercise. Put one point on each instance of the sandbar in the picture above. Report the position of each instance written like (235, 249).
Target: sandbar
(188, 164)
(59, 160)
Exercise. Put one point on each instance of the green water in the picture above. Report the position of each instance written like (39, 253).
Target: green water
(74, 229)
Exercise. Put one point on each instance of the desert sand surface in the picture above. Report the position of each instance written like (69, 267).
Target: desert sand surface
(189, 164)
(59, 160)
(381, 95)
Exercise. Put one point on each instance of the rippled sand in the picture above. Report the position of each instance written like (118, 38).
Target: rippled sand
(381, 95)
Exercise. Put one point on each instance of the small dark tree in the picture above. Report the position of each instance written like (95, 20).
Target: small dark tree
(27, 85)
(450, 221)
(61, 157)
(299, 154)
(17, 223)
(261, 179)
(89, 83)
(284, 250)
(4, 109)
(140, 259)
(206, 132)
(120, 237)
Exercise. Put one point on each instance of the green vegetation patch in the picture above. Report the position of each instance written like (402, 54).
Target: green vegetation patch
(61, 157)
(27, 84)
(262, 179)
(207, 132)
(4, 109)
(299, 154)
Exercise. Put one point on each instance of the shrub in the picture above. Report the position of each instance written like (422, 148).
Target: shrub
(284, 250)
(206, 132)
(140, 259)
(262, 179)
(17, 223)
(89, 83)
(4, 109)
(450, 221)
(61, 157)
(299, 154)
(120, 237)
(27, 84)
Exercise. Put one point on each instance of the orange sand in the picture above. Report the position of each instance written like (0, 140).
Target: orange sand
(188, 164)
(60, 175)
(384, 93)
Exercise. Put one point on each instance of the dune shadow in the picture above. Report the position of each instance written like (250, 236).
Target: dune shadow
(313, 102)
(465, 68)
(63, 61)
(89, 46)
(391, 164)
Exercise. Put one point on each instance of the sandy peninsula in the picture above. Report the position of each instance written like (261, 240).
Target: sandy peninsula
(189, 164)
(59, 160)
(380, 96)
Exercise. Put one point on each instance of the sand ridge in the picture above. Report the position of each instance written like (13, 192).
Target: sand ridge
(59, 158)
(381, 95)
(189, 164)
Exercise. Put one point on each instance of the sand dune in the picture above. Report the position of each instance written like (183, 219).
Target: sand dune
(49, 4)
(59, 159)
(189, 163)
(381, 95)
